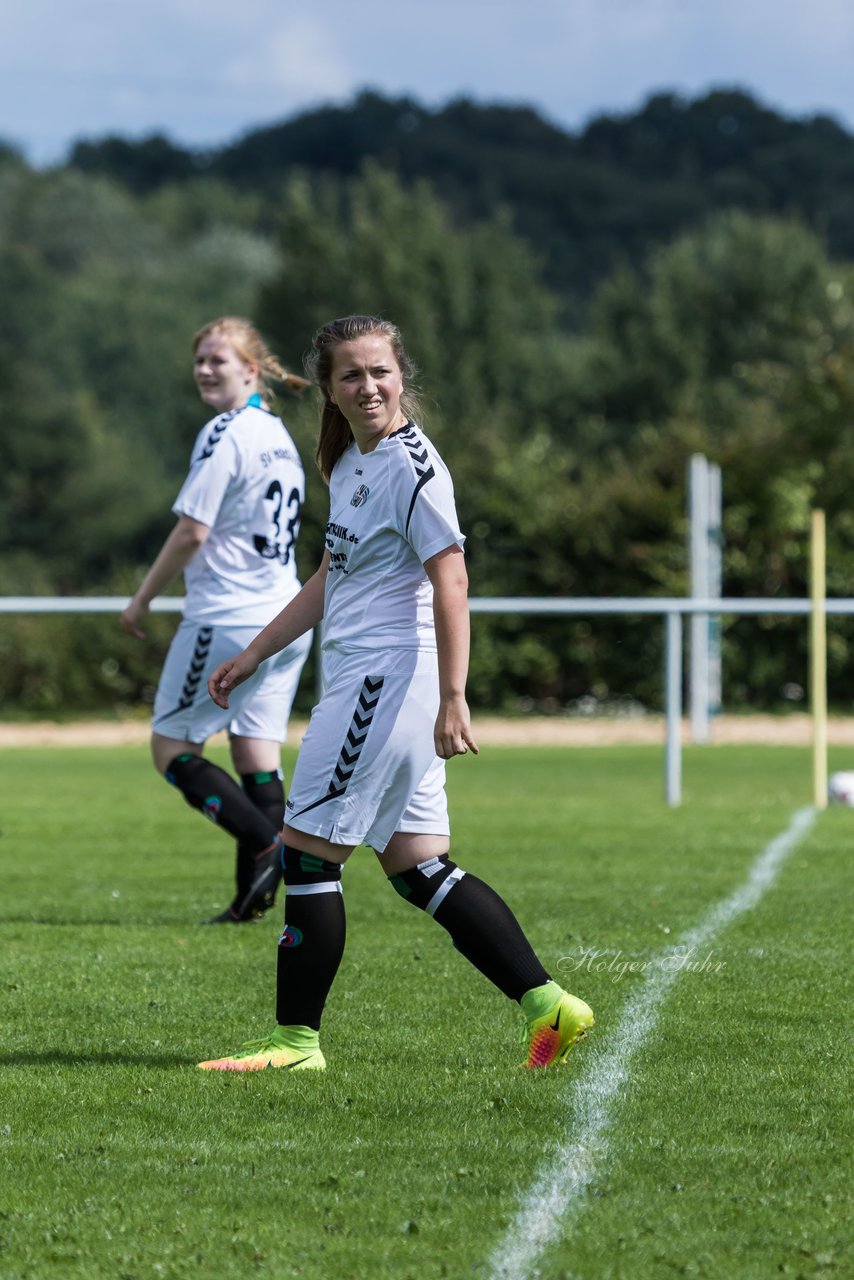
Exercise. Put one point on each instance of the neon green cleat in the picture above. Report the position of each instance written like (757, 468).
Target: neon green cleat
(258, 1055)
(551, 1036)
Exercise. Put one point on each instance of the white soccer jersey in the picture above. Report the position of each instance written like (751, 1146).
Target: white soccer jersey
(247, 484)
(389, 511)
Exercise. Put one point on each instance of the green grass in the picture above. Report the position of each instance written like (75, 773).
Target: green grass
(728, 1152)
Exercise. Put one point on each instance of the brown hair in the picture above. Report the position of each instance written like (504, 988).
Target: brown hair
(335, 433)
(251, 347)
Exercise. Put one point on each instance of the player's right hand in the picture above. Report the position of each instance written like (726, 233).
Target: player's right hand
(228, 676)
(130, 619)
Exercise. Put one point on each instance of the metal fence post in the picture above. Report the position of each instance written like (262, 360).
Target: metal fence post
(673, 708)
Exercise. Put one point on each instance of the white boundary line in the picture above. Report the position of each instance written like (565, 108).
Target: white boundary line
(558, 1190)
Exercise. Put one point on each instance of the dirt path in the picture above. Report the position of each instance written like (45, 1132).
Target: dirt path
(793, 730)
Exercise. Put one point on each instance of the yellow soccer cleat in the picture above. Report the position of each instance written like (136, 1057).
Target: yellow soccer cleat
(258, 1055)
(551, 1036)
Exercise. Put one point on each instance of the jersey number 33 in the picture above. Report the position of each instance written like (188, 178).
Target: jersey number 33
(277, 542)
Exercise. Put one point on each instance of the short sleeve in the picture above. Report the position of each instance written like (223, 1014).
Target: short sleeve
(426, 507)
(213, 469)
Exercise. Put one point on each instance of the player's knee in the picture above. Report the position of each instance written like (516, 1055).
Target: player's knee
(307, 873)
(194, 777)
(427, 885)
(182, 768)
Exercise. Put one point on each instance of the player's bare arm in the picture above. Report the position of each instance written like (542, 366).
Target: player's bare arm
(174, 556)
(447, 573)
(298, 616)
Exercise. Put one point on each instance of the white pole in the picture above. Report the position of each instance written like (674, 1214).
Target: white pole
(673, 709)
(715, 561)
(818, 656)
(698, 483)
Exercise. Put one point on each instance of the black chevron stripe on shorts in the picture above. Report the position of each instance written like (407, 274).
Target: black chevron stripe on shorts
(366, 705)
(195, 671)
(363, 715)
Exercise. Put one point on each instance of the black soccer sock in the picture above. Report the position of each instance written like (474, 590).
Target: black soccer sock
(481, 925)
(214, 793)
(266, 790)
(312, 941)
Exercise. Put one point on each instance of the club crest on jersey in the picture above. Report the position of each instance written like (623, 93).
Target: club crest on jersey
(360, 497)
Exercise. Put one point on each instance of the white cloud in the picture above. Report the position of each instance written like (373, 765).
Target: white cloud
(297, 57)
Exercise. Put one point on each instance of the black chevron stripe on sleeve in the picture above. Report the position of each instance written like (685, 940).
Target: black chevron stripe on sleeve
(424, 469)
(216, 433)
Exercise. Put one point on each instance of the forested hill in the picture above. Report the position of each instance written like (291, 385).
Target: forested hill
(585, 201)
(586, 311)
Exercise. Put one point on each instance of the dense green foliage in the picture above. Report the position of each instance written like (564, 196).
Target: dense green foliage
(586, 312)
(609, 192)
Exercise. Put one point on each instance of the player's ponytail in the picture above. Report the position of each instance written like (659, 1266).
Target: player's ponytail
(251, 347)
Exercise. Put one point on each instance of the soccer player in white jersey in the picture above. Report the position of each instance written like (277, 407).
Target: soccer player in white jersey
(392, 592)
(238, 519)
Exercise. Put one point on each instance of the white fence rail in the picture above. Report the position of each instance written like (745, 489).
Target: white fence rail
(671, 608)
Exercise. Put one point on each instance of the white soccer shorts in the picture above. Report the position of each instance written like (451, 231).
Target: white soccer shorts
(367, 766)
(183, 708)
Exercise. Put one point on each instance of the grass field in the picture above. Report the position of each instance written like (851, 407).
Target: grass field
(725, 1150)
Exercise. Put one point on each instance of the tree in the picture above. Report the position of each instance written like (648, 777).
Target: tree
(482, 329)
(96, 393)
(737, 341)
(586, 201)
(141, 166)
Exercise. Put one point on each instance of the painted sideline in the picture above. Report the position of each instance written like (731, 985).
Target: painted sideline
(559, 1189)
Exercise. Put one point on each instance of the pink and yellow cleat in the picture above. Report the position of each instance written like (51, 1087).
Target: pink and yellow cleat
(550, 1036)
(272, 1052)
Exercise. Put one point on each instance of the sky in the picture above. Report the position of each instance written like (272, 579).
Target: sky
(205, 72)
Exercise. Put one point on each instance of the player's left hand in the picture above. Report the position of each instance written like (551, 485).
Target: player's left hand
(453, 735)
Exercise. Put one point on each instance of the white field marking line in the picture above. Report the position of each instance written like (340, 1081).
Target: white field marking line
(559, 1188)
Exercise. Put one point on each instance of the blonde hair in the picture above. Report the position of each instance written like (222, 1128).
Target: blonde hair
(335, 433)
(248, 344)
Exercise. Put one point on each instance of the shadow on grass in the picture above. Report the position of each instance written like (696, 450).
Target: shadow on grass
(87, 922)
(64, 1058)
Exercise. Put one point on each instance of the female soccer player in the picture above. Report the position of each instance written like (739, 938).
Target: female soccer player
(392, 592)
(238, 519)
